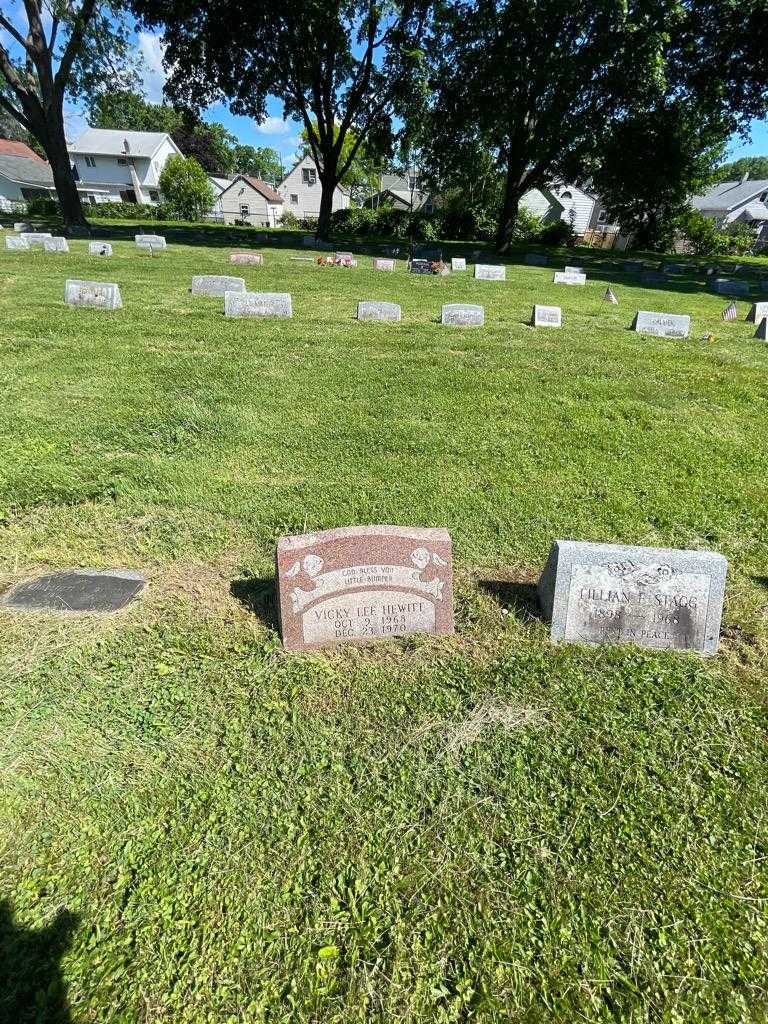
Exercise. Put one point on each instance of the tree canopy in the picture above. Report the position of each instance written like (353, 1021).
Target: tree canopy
(754, 166)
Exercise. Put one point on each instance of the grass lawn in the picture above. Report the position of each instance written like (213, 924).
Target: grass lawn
(199, 827)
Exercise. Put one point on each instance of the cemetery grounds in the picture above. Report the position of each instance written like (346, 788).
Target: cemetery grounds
(199, 827)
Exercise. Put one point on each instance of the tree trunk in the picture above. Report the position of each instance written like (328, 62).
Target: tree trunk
(55, 145)
(513, 191)
(328, 183)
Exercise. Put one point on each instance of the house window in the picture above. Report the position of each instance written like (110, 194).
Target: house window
(154, 195)
(245, 210)
(122, 161)
(602, 217)
(295, 200)
(91, 198)
(763, 197)
(566, 195)
(308, 175)
(90, 162)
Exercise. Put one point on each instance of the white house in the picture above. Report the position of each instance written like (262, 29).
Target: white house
(561, 201)
(251, 201)
(402, 192)
(300, 189)
(114, 166)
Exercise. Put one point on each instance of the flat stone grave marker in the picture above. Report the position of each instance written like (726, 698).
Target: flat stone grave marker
(247, 258)
(153, 242)
(16, 243)
(536, 259)
(462, 314)
(490, 272)
(662, 325)
(758, 312)
(573, 270)
(35, 238)
(420, 267)
(100, 294)
(301, 259)
(242, 303)
(547, 316)
(728, 286)
(56, 244)
(616, 593)
(364, 583)
(216, 284)
(652, 277)
(99, 249)
(378, 311)
(382, 263)
(569, 277)
(633, 266)
(77, 590)
(458, 263)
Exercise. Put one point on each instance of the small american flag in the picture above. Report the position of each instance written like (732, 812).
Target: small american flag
(610, 297)
(730, 312)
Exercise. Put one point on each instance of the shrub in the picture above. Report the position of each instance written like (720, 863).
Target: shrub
(705, 238)
(126, 211)
(289, 221)
(558, 233)
(185, 188)
(43, 206)
(528, 227)
(308, 223)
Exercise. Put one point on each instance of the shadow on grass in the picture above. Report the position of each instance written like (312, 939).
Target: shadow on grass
(520, 599)
(31, 987)
(258, 594)
(761, 581)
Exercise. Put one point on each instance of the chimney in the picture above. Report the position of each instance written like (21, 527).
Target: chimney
(744, 177)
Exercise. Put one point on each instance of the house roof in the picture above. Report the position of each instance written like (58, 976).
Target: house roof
(26, 171)
(111, 142)
(220, 183)
(260, 186)
(10, 148)
(728, 195)
(756, 211)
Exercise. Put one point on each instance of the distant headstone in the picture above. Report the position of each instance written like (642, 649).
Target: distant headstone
(458, 263)
(490, 272)
(247, 258)
(16, 243)
(462, 314)
(758, 312)
(153, 242)
(378, 311)
(614, 593)
(536, 259)
(364, 583)
(547, 316)
(99, 249)
(22, 225)
(569, 277)
(610, 296)
(216, 284)
(420, 267)
(652, 277)
(633, 266)
(36, 238)
(573, 270)
(762, 330)
(729, 286)
(662, 325)
(79, 590)
(381, 263)
(56, 244)
(242, 303)
(100, 294)
(308, 240)
(301, 259)
(675, 268)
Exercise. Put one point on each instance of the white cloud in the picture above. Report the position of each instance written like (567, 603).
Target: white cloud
(154, 75)
(275, 126)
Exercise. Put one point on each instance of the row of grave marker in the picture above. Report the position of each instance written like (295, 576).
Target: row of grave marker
(366, 583)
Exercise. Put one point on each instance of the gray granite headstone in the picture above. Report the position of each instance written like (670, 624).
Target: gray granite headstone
(569, 277)
(56, 244)
(547, 316)
(420, 267)
(615, 593)
(242, 303)
(675, 268)
(662, 325)
(378, 311)
(216, 284)
(382, 263)
(573, 270)
(100, 294)
(758, 312)
(490, 272)
(16, 243)
(729, 286)
(458, 263)
(99, 249)
(36, 238)
(78, 590)
(633, 266)
(536, 259)
(462, 314)
(153, 242)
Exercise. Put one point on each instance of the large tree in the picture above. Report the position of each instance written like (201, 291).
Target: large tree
(259, 162)
(339, 66)
(67, 48)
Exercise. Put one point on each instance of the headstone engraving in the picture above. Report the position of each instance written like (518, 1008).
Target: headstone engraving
(758, 312)
(378, 311)
(247, 258)
(99, 249)
(420, 267)
(462, 314)
(216, 284)
(364, 583)
(100, 294)
(381, 263)
(729, 286)
(78, 590)
(490, 272)
(16, 243)
(36, 238)
(662, 325)
(536, 259)
(615, 593)
(56, 244)
(242, 303)
(153, 242)
(569, 277)
(458, 263)
(547, 316)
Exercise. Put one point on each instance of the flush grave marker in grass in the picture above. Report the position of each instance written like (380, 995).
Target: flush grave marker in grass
(78, 590)
(462, 314)
(216, 285)
(378, 311)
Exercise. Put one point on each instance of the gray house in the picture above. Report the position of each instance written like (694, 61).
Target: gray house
(735, 202)
(402, 193)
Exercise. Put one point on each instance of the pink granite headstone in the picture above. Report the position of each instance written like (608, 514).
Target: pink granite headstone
(246, 257)
(363, 583)
(380, 263)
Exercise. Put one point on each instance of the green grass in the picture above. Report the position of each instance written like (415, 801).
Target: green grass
(197, 827)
